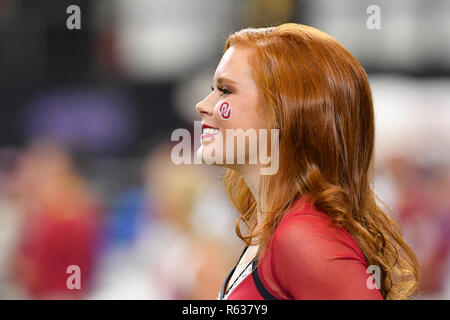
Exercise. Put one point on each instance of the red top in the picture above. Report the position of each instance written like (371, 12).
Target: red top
(308, 258)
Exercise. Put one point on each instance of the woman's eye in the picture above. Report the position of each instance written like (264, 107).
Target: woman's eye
(221, 89)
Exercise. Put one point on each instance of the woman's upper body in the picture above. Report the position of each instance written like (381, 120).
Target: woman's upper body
(299, 104)
(307, 258)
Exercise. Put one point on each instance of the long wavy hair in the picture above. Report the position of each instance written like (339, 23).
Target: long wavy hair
(318, 96)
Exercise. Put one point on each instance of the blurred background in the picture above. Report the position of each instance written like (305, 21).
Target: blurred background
(86, 117)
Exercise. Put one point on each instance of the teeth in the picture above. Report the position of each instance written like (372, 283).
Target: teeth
(210, 131)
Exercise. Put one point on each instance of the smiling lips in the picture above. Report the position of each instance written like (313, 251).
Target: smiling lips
(208, 131)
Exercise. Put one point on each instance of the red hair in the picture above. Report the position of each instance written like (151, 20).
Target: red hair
(319, 97)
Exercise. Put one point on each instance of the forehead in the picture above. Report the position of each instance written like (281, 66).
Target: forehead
(234, 64)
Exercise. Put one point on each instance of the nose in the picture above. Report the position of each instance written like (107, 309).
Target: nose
(204, 107)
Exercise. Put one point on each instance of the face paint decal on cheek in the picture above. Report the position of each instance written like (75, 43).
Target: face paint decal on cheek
(225, 110)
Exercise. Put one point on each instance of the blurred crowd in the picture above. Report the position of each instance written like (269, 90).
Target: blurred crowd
(169, 238)
(419, 196)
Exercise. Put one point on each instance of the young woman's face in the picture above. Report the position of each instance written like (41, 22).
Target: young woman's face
(234, 103)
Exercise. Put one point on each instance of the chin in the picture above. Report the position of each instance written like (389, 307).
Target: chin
(209, 157)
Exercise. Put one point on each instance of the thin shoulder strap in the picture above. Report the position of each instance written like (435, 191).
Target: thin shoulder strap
(259, 285)
(222, 290)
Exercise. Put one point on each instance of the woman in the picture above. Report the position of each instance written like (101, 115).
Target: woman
(314, 230)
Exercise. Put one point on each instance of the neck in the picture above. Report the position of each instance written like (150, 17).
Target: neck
(251, 176)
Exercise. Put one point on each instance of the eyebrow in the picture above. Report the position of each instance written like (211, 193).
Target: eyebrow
(223, 79)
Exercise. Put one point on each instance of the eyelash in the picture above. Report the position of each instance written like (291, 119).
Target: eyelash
(223, 90)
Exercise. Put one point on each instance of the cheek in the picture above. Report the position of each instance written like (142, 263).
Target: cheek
(232, 115)
(225, 110)
(225, 115)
